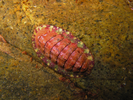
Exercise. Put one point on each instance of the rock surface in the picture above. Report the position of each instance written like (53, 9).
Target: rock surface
(105, 26)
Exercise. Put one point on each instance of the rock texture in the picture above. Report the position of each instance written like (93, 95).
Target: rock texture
(105, 26)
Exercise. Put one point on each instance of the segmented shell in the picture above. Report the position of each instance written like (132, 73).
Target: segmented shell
(61, 51)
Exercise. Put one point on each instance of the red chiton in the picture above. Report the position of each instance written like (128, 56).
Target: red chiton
(61, 51)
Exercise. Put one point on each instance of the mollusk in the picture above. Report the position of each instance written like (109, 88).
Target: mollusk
(62, 51)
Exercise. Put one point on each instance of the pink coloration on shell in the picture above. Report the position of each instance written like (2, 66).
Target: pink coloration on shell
(61, 51)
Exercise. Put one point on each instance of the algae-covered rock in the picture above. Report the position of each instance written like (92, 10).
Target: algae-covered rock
(104, 26)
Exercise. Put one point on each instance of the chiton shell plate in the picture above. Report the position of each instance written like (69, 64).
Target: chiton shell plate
(62, 51)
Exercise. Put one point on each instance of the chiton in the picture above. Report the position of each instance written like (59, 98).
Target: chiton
(62, 51)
